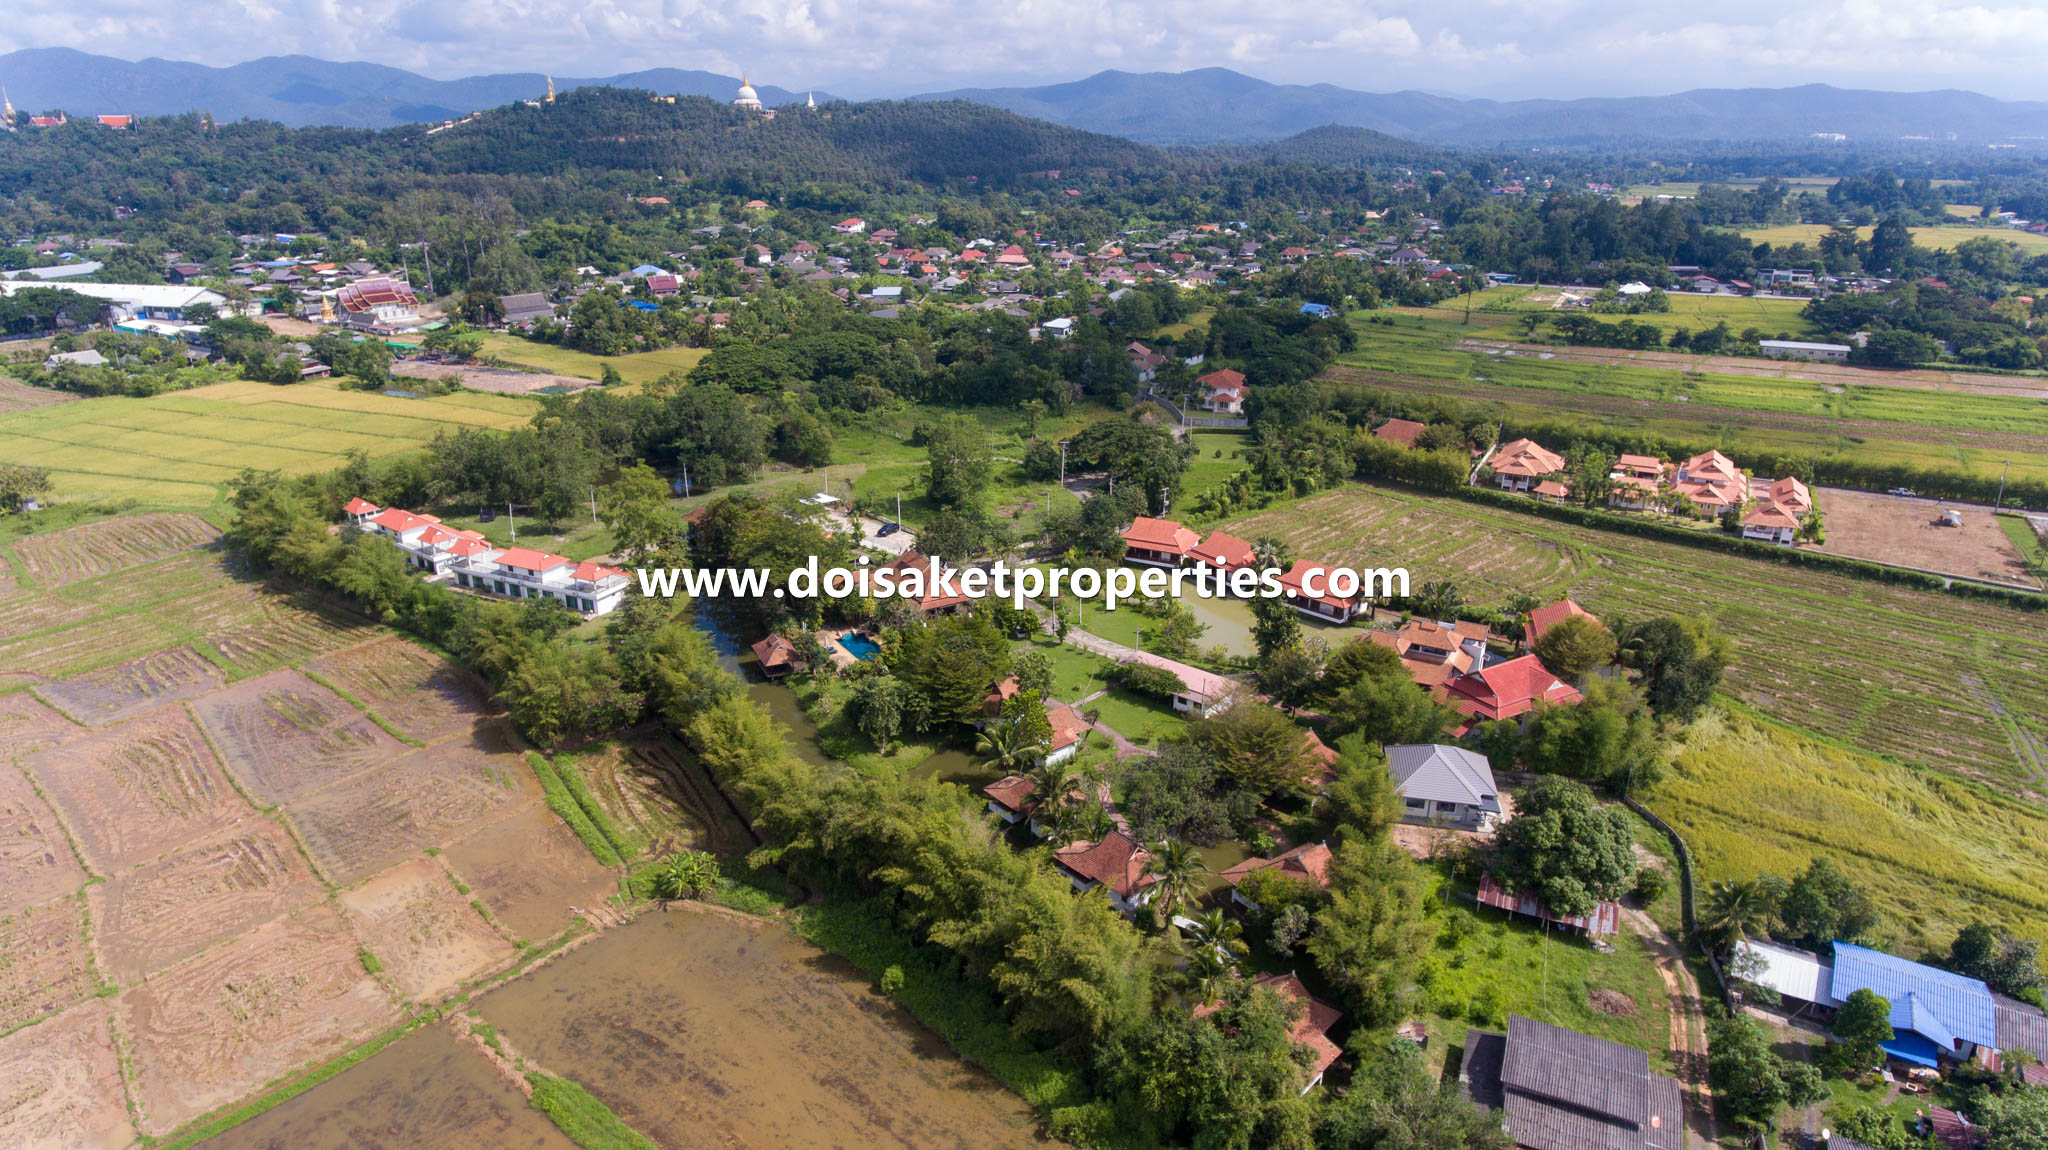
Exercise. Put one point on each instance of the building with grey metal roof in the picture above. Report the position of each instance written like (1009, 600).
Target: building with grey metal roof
(1558, 1089)
(1442, 784)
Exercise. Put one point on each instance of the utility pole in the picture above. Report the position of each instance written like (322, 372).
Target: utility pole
(899, 509)
(1063, 463)
(686, 481)
(509, 524)
(593, 505)
(2005, 465)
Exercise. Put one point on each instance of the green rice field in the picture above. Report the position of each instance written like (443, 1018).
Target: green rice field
(1918, 425)
(175, 450)
(1928, 680)
(1935, 852)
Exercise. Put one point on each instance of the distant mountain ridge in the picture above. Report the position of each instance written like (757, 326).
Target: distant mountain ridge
(300, 90)
(1206, 106)
(1216, 105)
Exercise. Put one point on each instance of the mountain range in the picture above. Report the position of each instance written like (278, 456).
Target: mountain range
(301, 90)
(1216, 105)
(1200, 107)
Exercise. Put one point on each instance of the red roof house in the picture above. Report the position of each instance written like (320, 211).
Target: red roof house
(1508, 689)
(1544, 618)
(1116, 862)
(1223, 551)
(1312, 1029)
(1324, 605)
(1401, 431)
(1160, 542)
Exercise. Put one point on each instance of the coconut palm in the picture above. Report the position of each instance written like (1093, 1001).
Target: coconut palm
(1176, 876)
(1736, 909)
(1215, 930)
(1205, 975)
(1005, 746)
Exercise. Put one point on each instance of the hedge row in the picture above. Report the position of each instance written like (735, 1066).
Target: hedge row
(566, 808)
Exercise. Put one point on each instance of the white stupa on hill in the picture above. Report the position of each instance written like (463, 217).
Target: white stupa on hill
(748, 98)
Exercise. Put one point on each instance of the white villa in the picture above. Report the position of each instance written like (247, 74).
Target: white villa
(474, 563)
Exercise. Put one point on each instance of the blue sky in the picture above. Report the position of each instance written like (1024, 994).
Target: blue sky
(1504, 48)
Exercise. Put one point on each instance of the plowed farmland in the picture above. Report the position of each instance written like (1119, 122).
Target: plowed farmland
(235, 850)
(108, 545)
(282, 735)
(125, 689)
(1945, 682)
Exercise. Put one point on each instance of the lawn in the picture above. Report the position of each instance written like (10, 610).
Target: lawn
(176, 449)
(1922, 677)
(1486, 964)
(1141, 720)
(641, 367)
(1688, 311)
(1934, 851)
(1075, 673)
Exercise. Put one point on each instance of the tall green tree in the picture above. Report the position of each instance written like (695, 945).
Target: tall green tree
(1566, 848)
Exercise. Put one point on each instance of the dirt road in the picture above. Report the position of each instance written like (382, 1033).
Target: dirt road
(1688, 1026)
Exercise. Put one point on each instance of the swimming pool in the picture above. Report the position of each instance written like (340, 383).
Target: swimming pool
(860, 646)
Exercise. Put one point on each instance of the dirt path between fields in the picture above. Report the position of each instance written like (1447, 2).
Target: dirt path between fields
(1688, 1026)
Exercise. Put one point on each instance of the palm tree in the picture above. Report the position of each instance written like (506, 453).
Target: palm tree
(1205, 974)
(1216, 930)
(1005, 745)
(1176, 873)
(1735, 910)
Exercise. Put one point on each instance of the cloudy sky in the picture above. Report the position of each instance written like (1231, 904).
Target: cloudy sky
(888, 47)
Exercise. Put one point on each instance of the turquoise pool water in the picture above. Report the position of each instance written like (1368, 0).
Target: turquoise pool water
(860, 646)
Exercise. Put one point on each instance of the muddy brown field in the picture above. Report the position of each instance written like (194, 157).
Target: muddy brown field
(427, 1091)
(1891, 529)
(151, 916)
(374, 820)
(501, 380)
(282, 735)
(702, 1031)
(28, 724)
(424, 930)
(36, 862)
(63, 1082)
(529, 869)
(94, 549)
(45, 963)
(114, 693)
(133, 791)
(408, 686)
(220, 1026)
(18, 396)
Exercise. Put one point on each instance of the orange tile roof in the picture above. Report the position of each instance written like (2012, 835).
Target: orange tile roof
(1309, 861)
(1224, 550)
(1544, 618)
(1312, 1029)
(1116, 861)
(1013, 793)
(527, 559)
(1291, 580)
(1401, 431)
(1160, 535)
(1508, 689)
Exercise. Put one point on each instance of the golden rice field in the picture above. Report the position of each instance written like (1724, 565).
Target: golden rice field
(174, 450)
(1935, 852)
(642, 367)
(1948, 236)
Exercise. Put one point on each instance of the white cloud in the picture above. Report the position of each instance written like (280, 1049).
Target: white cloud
(1503, 47)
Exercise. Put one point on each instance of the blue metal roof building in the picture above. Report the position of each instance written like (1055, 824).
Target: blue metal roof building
(1934, 1012)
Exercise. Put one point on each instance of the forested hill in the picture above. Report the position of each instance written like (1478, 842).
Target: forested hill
(1331, 145)
(609, 132)
(868, 143)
